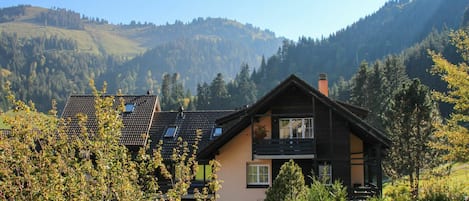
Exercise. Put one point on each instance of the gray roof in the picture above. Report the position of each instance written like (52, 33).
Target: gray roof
(187, 126)
(136, 123)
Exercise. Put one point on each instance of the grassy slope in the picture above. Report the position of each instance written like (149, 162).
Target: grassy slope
(93, 39)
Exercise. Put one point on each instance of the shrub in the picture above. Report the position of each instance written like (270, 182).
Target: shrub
(289, 184)
(320, 191)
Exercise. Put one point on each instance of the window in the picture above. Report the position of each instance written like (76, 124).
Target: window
(258, 175)
(296, 128)
(325, 173)
(217, 131)
(129, 107)
(170, 131)
(204, 173)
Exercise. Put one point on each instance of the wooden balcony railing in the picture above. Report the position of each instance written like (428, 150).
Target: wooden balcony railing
(284, 147)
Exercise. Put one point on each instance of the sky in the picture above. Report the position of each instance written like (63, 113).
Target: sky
(288, 18)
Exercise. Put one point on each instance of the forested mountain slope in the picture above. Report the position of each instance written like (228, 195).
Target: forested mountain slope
(395, 27)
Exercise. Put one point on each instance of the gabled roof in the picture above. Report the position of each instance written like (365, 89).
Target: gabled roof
(136, 123)
(187, 126)
(364, 130)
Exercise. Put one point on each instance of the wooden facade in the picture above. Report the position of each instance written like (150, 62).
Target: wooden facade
(341, 138)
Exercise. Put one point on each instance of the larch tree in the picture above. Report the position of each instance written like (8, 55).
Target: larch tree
(453, 133)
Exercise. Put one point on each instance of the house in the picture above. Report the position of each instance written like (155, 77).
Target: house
(293, 121)
(296, 121)
(137, 116)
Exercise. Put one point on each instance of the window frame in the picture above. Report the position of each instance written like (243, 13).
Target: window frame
(290, 127)
(257, 183)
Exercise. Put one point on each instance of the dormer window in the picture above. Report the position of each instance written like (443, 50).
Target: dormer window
(217, 131)
(170, 131)
(129, 108)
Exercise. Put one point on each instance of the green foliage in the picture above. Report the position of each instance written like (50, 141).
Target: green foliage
(373, 87)
(172, 93)
(444, 189)
(410, 128)
(398, 193)
(319, 190)
(388, 31)
(289, 185)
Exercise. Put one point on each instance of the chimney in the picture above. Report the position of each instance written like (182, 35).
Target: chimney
(322, 84)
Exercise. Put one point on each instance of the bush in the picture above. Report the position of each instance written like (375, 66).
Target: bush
(398, 193)
(289, 185)
(320, 191)
(438, 189)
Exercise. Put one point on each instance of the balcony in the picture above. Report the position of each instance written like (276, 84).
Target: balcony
(284, 148)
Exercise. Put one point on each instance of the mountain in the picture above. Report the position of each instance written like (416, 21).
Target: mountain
(51, 53)
(197, 51)
(393, 28)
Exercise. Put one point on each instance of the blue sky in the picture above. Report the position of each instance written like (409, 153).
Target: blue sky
(291, 19)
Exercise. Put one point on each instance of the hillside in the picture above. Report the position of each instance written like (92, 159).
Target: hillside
(51, 53)
(91, 38)
(393, 28)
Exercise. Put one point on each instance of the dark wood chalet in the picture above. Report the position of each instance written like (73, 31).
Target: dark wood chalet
(296, 121)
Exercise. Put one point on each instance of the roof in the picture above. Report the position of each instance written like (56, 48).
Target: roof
(187, 126)
(136, 123)
(363, 129)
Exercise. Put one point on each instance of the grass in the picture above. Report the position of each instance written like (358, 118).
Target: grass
(93, 39)
(456, 181)
(3, 125)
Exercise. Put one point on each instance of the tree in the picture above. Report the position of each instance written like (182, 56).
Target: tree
(411, 117)
(360, 86)
(203, 96)
(218, 93)
(39, 160)
(454, 133)
(243, 90)
(289, 185)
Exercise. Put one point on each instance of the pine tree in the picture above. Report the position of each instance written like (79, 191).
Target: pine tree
(203, 96)
(360, 86)
(218, 93)
(410, 127)
(243, 90)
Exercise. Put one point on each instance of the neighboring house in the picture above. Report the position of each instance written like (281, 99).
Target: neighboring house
(137, 116)
(296, 121)
(293, 121)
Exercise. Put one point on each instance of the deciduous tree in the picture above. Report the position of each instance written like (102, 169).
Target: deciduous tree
(454, 133)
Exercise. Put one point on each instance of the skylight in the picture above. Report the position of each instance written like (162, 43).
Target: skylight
(170, 131)
(217, 131)
(129, 107)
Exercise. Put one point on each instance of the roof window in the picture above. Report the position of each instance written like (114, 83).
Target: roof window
(129, 107)
(217, 131)
(170, 131)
